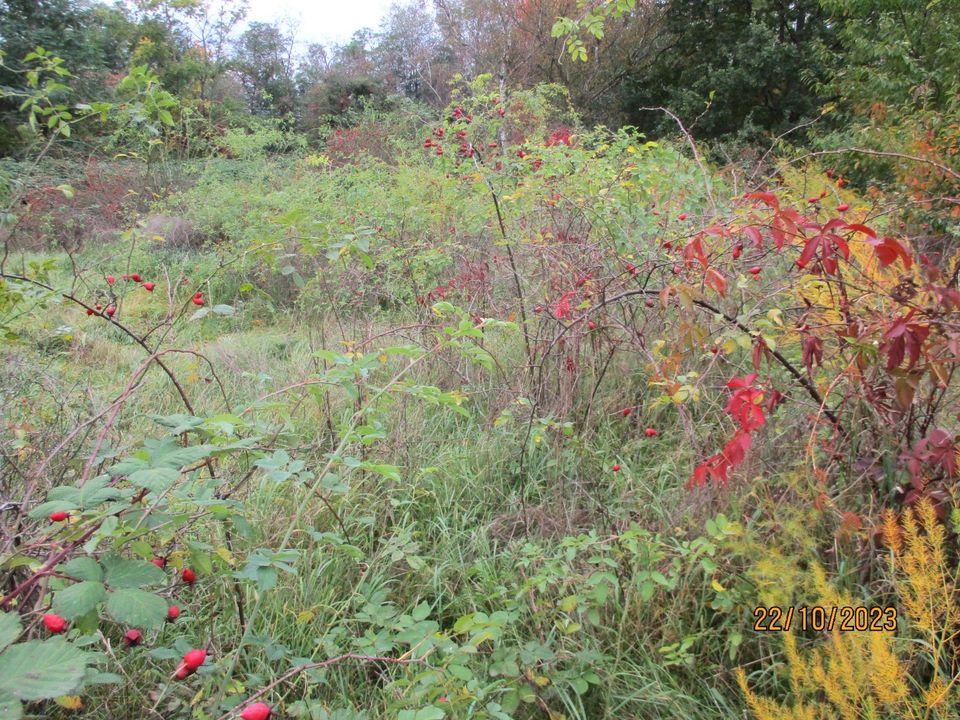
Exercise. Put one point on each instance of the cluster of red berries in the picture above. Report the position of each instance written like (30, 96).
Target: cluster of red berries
(460, 114)
(57, 625)
(111, 309)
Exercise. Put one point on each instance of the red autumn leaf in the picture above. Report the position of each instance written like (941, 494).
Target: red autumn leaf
(889, 250)
(716, 281)
(812, 352)
(904, 339)
(767, 198)
(694, 251)
(856, 227)
(754, 234)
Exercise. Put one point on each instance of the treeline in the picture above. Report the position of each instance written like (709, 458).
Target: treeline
(741, 70)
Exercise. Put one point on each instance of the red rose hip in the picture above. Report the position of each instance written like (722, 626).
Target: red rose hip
(54, 623)
(257, 711)
(194, 659)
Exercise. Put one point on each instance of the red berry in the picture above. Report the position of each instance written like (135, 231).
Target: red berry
(682, 216)
(173, 612)
(55, 624)
(89, 311)
(197, 300)
(182, 672)
(59, 516)
(616, 467)
(135, 277)
(99, 307)
(133, 637)
(257, 711)
(111, 279)
(650, 432)
(830, 174)
(648, 302)
(626, 411)
(159, 562)
(111, 310)
(813, 200)
(677, 269)
(188, 576)
(149, 286)
(755, 270)
(592, 325)
(194, 659)
(736, 252)
(842, 207)
(714, 349)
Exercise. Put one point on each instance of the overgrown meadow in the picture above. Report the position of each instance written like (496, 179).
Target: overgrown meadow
(484, 415)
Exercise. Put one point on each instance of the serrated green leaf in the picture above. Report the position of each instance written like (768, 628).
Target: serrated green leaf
(10, 707)
(155, 480)
(78, 599)
(96, 492)
(39, 670)
(52, 506)
(137, 608)
(128, 573)
(9, 629)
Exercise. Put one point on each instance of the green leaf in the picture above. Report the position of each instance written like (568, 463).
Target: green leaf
(155, 480)
(78, 599)
(52, 506)
(10, 707)
(9, 630)
(137, 608)
(39, 670)
(96, 492)
(127, 573)
(223, 309)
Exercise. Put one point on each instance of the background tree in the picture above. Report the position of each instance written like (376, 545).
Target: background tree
(753, 62)
(263, 59)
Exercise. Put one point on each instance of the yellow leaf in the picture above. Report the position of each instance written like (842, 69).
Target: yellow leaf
(70, 702)
(568, 603)
(225, 555)
(305, 616)
(717, 586)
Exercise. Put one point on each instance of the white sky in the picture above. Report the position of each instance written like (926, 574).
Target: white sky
(324, 21)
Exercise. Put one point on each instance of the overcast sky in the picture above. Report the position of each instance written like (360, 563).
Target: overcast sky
(323, 21)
